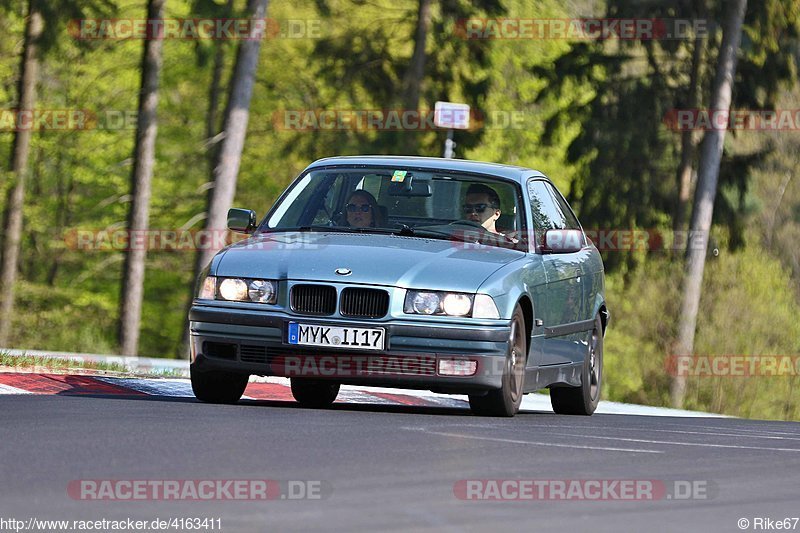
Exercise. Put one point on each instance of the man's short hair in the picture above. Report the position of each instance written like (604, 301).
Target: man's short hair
(480, 188)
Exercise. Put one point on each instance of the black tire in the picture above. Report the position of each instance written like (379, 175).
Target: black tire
(218, 387)
(583, 400)
(506, 400)
(314, 393)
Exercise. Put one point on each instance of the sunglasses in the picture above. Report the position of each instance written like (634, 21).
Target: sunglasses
(364, 208)
(474, 208)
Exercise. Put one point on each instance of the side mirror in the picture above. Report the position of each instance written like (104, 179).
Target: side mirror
(563, 241)
(241, 220)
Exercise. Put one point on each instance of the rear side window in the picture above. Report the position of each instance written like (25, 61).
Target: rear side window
(570, 222)
(549, 209)
(545, 214)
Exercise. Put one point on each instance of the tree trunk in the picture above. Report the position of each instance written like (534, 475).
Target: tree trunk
(407, 142)
(214, 92)
(412, 80)
(688, 139)
(29, 77)
(212, 117)
(711, 154)
(139, 212)
(229, 156)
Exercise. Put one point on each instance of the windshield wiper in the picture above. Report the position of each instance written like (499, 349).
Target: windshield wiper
(435, 234)
(403, 231)
(445, 235)
(344, 229)
(407, 231)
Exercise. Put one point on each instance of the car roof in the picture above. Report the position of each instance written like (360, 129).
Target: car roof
(434, 163)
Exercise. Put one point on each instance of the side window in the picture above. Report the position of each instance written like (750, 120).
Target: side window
(570, 222)
(545, 213)
(327, 209)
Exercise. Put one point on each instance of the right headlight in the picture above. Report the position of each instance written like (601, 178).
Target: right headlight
(237, 290)
(450, 304)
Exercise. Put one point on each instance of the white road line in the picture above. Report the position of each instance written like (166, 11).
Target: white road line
(8, 389)
(172, 388)
(673, 443)
(740, 429)
(750, 436)
(535, 443)
(648, 429)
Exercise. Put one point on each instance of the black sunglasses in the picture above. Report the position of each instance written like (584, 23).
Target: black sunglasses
(474, 208)
(352, 208)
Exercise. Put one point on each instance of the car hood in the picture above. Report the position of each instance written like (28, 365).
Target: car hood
(374, 259)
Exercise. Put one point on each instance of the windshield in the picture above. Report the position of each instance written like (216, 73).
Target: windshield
(425, 203)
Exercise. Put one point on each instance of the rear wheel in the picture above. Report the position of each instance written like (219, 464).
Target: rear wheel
(314, 393)
(506, 400)
(218, 387)
(583, 400)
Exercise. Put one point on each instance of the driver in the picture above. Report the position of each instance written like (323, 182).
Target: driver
(482, 205)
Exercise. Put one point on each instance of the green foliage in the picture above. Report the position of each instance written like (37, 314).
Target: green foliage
(745, 311)
(625, 157)
(516, 121)
(64, 318)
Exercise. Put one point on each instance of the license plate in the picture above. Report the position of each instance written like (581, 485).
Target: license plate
(336, 337)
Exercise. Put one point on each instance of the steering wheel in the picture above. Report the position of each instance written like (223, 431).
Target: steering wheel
(470, 223)
(336, 219)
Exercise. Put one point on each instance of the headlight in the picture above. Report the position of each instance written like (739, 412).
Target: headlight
(437, 303)
(457, 304)
(261, 291)
(233, 289)
(425, 303)
(243, 290)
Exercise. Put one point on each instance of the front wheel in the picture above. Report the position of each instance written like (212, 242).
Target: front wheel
(506, 400)
(583, 400)
(218, 387)
(314, 393)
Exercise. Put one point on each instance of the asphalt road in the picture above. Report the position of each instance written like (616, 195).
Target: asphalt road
(392, 468)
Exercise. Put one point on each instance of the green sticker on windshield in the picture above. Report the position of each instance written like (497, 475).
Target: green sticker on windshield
(399, 175)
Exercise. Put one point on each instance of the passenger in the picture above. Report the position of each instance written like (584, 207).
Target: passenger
(482, 205)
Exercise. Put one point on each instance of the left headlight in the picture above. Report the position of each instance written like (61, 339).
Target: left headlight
(238, 290)
(449, 304)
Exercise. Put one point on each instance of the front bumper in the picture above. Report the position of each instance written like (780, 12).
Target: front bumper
(254, 342)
